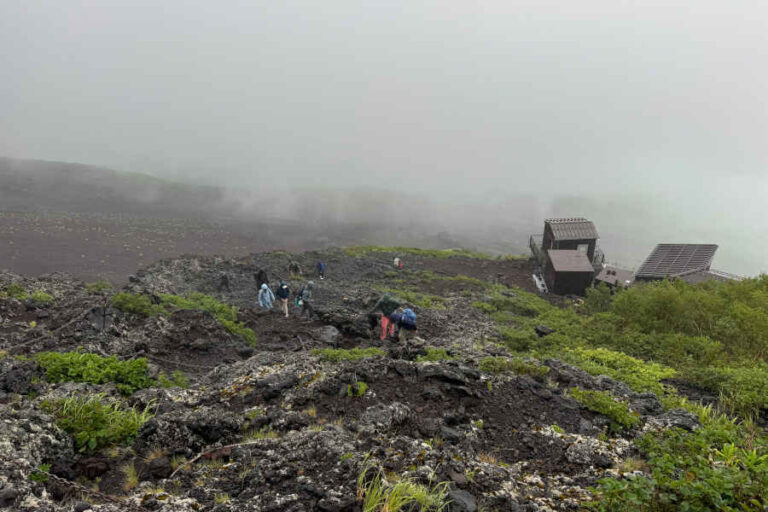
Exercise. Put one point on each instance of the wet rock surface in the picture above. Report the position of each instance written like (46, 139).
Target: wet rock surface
(274, 427)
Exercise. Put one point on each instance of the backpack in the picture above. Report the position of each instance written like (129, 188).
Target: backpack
(410, 315)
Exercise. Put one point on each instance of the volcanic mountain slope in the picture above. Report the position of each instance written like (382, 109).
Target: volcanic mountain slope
(270, 419)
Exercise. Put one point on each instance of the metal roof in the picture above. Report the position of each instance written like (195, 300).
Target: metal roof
(674, 260)
(566, 260)
(710, 275)
(572, 228)
(616, 276)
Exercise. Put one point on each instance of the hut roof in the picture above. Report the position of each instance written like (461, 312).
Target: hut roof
(572, 228)
(569, 261)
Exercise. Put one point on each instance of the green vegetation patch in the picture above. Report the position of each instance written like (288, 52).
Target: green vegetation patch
(336, 355)
(137, 304)
(40, 299)
(96, 422)
(364, 250)
(357, 389)
(721, 466)
(16, 291)
(379, 495)
(225, 314)
(98, 286)
(129, 375)
(637, 374)
(434, 354)
(417, 299)
(177, 379)
(606, 404)
(499, 364)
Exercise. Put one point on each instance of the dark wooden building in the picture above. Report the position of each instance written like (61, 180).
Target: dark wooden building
(568, 271)
(576, 234)
(615, 277)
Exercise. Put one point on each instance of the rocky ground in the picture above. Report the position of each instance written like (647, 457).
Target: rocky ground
(273, 427)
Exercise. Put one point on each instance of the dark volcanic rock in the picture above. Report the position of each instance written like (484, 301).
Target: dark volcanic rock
(461, 501)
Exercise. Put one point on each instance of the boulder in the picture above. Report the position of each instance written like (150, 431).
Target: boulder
(676, 418)
(461, 501)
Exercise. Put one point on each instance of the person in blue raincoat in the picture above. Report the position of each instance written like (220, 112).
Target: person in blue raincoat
(266, 297)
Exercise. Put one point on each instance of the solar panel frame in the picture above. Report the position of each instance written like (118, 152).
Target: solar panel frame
(673, 260)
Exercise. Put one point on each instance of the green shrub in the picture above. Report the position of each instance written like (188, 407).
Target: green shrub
(518, 340)
(495, 364)
(177, 379)
(98, 286)
(224, 313)
(529, 368)
(97, 422)
(355, 354)
(129, 375)
(434, 354)
(717, 467)
(357, 389)
(637, 374)
(516, 365)
(16, 291)
(136, 304)
(364, 250)
(605, 403)
(40, 298)
(420, 300)
(404, 494)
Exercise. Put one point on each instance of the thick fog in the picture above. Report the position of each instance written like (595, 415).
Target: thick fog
(648, 117)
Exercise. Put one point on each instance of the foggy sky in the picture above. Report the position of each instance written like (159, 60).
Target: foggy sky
(477, 100)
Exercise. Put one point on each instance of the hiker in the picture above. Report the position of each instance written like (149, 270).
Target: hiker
(266, 297)
(398, 262)
(304, 300)
(283, 293)
(261, 277)
(294, 268)
(406, 324)
(321, 269)
(387, 305)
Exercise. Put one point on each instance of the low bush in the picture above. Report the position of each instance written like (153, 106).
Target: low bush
(98, 286)
(605, 403)
(364, 250)
(717, 467)
(377, 495)
(96, 422)
(40, 299)
(16, 291)
(137, 304)
(637, 374)
(340, 354)
(357, 389)
(495, 364)
(434, 354)
(224, 313)
(129, 375)
(177, 379)
(516, 365)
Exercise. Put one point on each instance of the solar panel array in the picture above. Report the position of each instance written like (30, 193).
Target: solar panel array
(672, 260)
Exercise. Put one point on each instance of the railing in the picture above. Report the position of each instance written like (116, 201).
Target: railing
(534, 243)
(598, 259)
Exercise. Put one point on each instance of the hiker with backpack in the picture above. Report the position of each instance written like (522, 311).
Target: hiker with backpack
(386, 305)
(304, 300)
(321, 269)
(266, 297)
(406, 324)
(284, 293)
